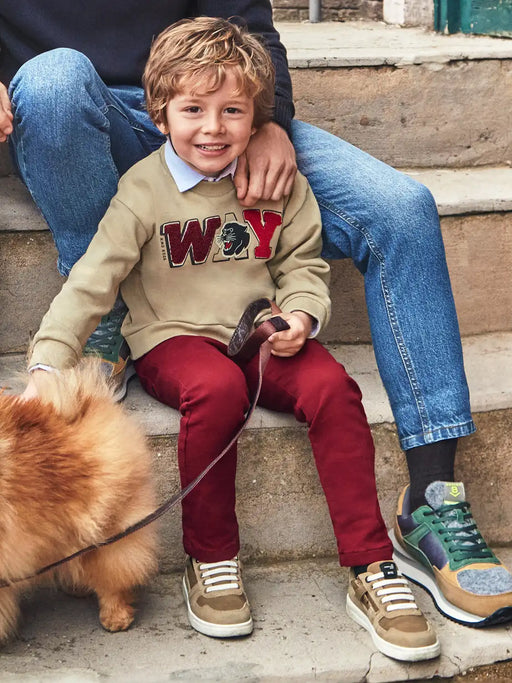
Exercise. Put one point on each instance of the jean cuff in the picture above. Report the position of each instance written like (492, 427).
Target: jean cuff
(438, 434)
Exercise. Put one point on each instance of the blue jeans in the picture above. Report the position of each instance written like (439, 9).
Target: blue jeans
(74, 137)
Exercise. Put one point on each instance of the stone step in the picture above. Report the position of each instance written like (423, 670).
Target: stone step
(301, 633)
(408, 96)
(474, 205)
(276, 475)
(404, 103)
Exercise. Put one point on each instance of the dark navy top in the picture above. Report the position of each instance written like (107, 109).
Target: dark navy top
(116, 35)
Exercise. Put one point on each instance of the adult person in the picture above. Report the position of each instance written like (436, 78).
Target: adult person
(76, 121)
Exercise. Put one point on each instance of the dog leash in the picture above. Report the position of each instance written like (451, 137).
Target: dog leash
(244, 344)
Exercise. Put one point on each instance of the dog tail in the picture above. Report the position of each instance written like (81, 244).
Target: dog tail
(69, 391)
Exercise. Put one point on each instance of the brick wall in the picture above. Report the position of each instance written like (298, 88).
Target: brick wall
(332, 10)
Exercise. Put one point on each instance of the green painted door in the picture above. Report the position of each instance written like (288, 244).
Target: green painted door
(493, 17)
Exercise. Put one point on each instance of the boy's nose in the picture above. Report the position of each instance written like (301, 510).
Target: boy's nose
(213, 123)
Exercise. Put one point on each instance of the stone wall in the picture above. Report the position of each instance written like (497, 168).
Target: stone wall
(409, 12)
(332, 10)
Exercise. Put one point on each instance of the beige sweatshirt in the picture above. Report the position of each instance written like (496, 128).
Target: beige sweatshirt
(186, 264)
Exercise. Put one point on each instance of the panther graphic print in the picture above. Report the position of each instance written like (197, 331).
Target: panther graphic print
(233, 238)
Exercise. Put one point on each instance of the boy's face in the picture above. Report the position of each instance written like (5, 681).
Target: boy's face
(209, 130)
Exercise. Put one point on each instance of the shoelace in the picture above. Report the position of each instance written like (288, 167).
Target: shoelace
(394, 591)
(460, 530)
(220, 576)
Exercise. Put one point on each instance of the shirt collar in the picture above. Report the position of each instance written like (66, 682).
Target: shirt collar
(185, 176)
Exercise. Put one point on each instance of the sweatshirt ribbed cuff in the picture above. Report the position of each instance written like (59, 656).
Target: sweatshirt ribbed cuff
(283, 113)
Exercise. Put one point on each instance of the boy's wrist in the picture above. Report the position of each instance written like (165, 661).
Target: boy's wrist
(308, 321)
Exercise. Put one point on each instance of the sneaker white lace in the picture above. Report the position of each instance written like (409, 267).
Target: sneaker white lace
(394, 591)
(220, 576)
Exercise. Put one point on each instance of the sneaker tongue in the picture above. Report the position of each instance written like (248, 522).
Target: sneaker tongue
(440, 493)
(388, 568)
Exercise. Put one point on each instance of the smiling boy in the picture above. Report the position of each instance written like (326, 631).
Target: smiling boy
(209, 130)
(188, 259)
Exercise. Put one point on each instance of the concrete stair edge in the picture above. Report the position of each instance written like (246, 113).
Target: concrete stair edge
(372, 43)
(481, 189)
(487, 358)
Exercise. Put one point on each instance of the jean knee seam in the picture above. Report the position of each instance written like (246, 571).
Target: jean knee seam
(390, 310)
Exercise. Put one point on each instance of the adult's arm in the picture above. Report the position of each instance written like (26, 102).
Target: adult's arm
(5, 114)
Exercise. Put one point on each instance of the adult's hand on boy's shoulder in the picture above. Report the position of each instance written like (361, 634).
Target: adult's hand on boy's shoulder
(289, 342)
(268, 167)
(5, 114)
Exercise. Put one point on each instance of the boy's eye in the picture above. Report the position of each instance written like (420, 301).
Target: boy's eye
(233, 110)
(192, 109)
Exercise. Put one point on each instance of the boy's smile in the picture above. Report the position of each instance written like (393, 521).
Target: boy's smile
(209, 130)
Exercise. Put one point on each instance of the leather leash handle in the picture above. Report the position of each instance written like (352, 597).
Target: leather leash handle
(244, 344)
(246, 340)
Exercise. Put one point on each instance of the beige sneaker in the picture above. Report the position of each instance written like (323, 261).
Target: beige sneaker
(381, 601)
(216, 601)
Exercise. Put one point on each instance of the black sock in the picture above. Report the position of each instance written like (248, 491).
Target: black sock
(432, 462)
(359, 569)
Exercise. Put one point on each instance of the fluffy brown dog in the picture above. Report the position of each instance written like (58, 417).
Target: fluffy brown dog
(74, 470)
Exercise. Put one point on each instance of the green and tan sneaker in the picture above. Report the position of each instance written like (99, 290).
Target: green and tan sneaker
(216, 602)
(381, 601)
(107, 344)
(439, 547)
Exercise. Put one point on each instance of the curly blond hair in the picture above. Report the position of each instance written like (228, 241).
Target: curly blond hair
(196, 53)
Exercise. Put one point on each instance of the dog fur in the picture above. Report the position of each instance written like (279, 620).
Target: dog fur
(74, 470)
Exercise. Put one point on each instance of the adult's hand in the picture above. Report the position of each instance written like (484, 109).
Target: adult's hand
(5, 114)
(267, 169)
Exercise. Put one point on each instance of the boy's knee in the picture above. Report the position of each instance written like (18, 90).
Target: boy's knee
(225, 392)
(230, 392)
(333, 380)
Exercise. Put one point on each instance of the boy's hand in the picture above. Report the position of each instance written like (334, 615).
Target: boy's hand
(267, 169)
(30, 389)
(289, 342)
(6, 116)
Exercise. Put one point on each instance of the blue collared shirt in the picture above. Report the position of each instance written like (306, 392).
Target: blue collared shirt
(187, 177)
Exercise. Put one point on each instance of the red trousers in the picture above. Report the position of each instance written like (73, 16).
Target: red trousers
(195, 376)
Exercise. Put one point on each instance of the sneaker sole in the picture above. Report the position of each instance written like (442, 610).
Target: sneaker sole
(404, 654)
(122, 389)
(424, 579)
(215, 630)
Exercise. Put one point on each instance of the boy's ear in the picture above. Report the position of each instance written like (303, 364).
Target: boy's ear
(162, 127)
